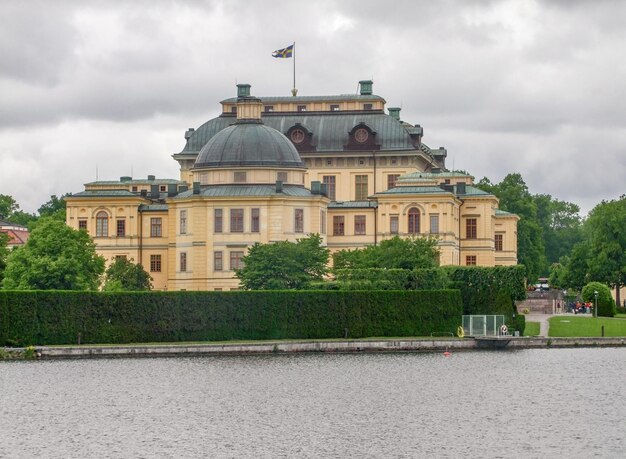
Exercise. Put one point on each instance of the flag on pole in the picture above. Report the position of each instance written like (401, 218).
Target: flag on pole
(283, 53)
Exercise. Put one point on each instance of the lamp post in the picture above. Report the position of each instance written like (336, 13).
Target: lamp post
(595, 307)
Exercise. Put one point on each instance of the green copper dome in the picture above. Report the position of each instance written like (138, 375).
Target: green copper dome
(248, 144)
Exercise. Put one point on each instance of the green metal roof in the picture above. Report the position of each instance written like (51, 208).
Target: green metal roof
(136, 182)
(352, 205)
(304, 99)
(153, 207)
(469, 191)
(105, 194)
(431, 175)
(213, 191)
(329, 130)
(504, 213)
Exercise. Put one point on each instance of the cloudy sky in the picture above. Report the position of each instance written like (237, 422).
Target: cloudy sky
(535, 87)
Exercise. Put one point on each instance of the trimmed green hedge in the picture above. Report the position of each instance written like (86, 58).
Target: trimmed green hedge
(57, 317)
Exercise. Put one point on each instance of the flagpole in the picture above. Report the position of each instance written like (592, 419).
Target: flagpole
(294, 91)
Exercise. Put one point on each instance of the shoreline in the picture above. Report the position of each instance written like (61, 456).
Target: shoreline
(298, 347)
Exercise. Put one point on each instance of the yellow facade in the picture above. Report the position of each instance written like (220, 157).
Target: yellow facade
(270, 170)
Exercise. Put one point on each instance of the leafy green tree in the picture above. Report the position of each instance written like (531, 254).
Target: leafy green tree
(10, 211)
(561, 225)
(54, 208)
(575, 267)
(397, 252)
(56, 257)
(125, 275)
(284, 265)
(606, 304)
(4, 253)
(607, 237)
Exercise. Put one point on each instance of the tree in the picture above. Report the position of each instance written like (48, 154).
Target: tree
(56, 257)
(575, 267)
(284, 265)
(125, 275)
(607, 237)
(397, 252)
(606, 304)
(54, 208)
(4, 253)
(561, 225)
(10, 211)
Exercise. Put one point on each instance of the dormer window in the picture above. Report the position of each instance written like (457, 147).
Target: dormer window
(302, 108)
(240, 177)
(268, 108)
(334, 108)
(368, 106)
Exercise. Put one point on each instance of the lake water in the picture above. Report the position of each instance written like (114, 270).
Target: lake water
(565, 403)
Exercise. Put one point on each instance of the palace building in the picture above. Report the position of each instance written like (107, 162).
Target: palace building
(280, 168)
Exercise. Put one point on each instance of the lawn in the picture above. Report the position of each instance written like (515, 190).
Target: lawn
(532, 329)
(566, 326)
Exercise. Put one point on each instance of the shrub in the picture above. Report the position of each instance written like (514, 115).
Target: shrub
(606, 303)
(59, 317)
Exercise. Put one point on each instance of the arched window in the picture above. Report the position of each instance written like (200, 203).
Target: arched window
(102, 224)
(414, 220)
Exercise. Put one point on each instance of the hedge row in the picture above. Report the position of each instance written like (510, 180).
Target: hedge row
(57, 317)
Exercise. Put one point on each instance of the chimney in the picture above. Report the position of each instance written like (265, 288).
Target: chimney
(315, 187)
(182, 188)
(279, 186)
(435, 170)
(154, 191)
(366, 87)
(460, 187)
(144, 193)
(171, 189)
(151, 177)
(196, 187)
(125, 179)
(394, 112)
(243, 90)
(189, 133)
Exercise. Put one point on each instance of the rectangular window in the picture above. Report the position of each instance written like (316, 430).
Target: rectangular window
(254, 220)
(331, 185)
(268, 108)
(120, 257)
(470, 260)
(102, 224)
(134, 189)
(392, 179)
(299, 221)
(302, 108)
(233, 110)
(359, 224)
(218, 221)
(155, 227)
(470, 228)
(338, 225)
(163, 188)
(360, 191)
(183, 222)
(240, 177)
(218, 261)
(329, 162)
(121, 227)
(367, 106)
(434, 224)
(281, 176)
(155, 263)
(394, 224)
(236, 261)
(236, 220)
(498, 242)
(322, 222)
(183, 262)
(82, 225)
(334, 108)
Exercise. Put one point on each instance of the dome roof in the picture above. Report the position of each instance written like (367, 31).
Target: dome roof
(248, 144)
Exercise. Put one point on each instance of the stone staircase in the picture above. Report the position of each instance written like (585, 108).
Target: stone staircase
(540, 303)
